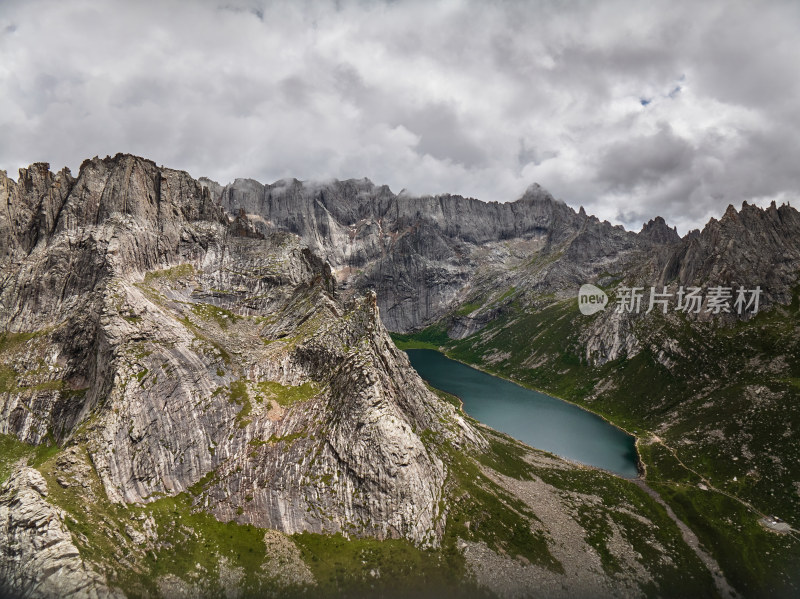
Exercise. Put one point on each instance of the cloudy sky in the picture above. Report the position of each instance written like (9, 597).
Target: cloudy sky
(630, 109)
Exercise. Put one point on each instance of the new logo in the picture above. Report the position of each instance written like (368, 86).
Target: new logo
(591, 299)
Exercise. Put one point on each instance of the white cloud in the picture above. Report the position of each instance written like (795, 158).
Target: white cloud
(462, 97)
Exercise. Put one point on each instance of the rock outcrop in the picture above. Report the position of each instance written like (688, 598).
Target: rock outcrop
(38, 558)
(185, 349)
(750, 247)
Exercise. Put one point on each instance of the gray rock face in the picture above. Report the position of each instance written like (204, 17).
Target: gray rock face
(753, 246)
(188, 350)
(65, 239)
(657, 230)
(427, 256)
(421, 255)
(38, 557)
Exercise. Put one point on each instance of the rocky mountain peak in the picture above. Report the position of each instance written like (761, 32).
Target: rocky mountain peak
(178, 330)
(537, 193)
(753, 246)
(657, 231)
(730, 213)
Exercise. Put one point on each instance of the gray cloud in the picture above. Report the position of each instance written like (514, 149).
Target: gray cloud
(441, 134)
(644, 161)
(464, 97)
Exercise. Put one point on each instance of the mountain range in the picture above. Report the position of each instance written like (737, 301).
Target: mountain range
(203, 392)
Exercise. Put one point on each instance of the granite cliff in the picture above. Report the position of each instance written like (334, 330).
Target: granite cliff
(421, 254)
(178, 349)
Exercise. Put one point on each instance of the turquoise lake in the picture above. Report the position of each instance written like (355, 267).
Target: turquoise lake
(534, 418)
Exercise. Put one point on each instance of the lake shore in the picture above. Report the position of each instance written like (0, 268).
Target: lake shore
(548, 437)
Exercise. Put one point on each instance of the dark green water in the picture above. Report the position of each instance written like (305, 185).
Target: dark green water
(534, 418)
